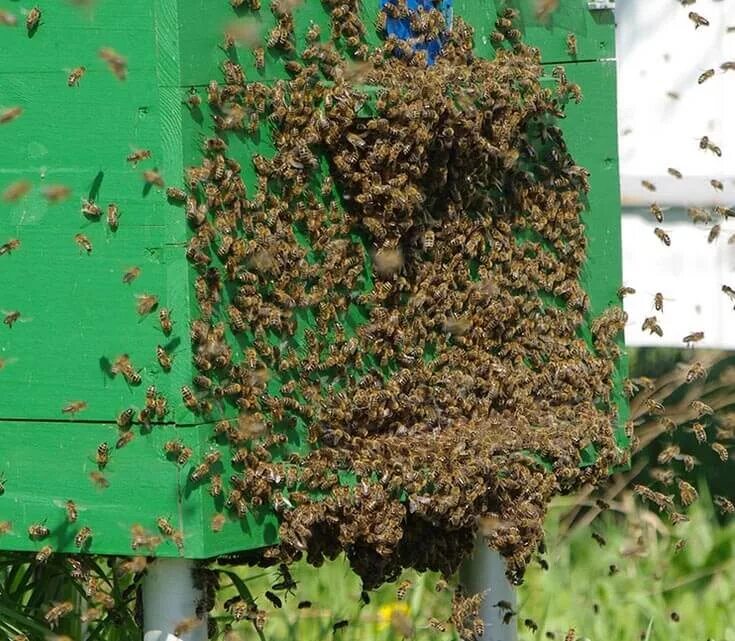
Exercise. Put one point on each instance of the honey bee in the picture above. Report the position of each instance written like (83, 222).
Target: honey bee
(90, 209)
(83, 242)
(10, 114)
(161, 407)
(16, 190)
(175, 193)
(102, 456)
(154, 178)
(403, 588)
(75, 76)
(99, 480)
(11, 318)
(56, 193)
(164, 360)
(115, 62)
(705, 76)
(259, 58)
(164, 526)
(699, 21)
(658, 302)
(657, 212)
(701, 409)
(675, 173)
(130, 275)
(625, 291)
(436, 624)
(71, 511)
(662, 236)
(215, 485)
(58, 611)
(138, 155)
(123, 440)
(9, 246)
(668, 454)
(648, 185)
(694, 337)
(38, 531)
(146, 303)
(7, 19)
(728, 66)
(187, 625)
(113, 216)
(189, 399)
(696, 371)
(123, 365)
(74, 407)
(44, 554)
(237, 322)
(724, 505)
(706, 143)
(721, 451)
(716, 184)
(164, 318)
(531, 625)
(83, 537)
(687, 492)
(714, 233)
(651, 324)
(5, 527)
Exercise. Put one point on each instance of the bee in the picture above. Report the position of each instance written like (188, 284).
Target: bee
(403, 588)
(122, 365)
(99, 480)
(215, 485)
(701, 409)
(74, 407)
(83, 536)
(651, 324)
(154, 178)
(705, 76)
(175, 193)
(199, 472)
(724, 505)
(721, 451)
(11, 318)
(184, 455)
(662, 236)
(675, 173)
(75, 76)
(38, 531)
(436, 624)
(164, 318)
(102, 456)
(648, 185)
(625, 291)
(658, 302)
(130, 275)
(274, 599)
(164, 360)
(668, 454)
(2, 484)
(58, 611)
(716, 184)
(187, 625)
(237, 322)
(123, 440)
(136, 156)
(728, 66)
(259, 56)
(90, 209)
(714, 233)
(194, 100)
(657, 212)
(729, 291)
(694, 337)
(56, 193)
(161, 407)
(83, 242)
(7, 19)
(146, 303)
(44, 554)
(5, 527)
(164, 526)
(612, 570)
(706, 143)
(115, 62)
(10, 114)
(699, 21)
(71, 511)
(687, 492)
(9, 246)
(125, 418)
(113, 216)
(696, 371)
(16, 190)
(189, 399)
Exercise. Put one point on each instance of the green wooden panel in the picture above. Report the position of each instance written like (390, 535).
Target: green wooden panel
(79, 310)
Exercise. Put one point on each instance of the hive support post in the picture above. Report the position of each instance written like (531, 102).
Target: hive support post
(484, 572)
(169, 597)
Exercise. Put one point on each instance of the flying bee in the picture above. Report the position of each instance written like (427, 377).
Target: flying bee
(56, 193)
(10, 114)
(38, 531)
(72, 513)
(154, 178)
(83, 242)
(721, 451)
(99, 480)
(113, 216)
(714, 233)
(648, 185)
(83, 536)
(403, 588)
(16, 190)
(146, 303)
(625, 291)
(44, 554)
(699, 21)
(164, 526)
(436, 624)
(74, 407)
(164, 360)
(138, 155)
(705, 76)
(724, 505)
(729, 291)
(694, 337)
(75, 76)
(716, 184)
(657, 212)
(658, 302)
(130, 275)
(123, 440)
(116, 63)
(695, 372)
(11, 318)
(58, 611)
(662, 236)
(675, 173)
(102, 456)
(701, 409)
(700, 433)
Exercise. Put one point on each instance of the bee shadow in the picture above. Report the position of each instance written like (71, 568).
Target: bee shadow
(94, 189)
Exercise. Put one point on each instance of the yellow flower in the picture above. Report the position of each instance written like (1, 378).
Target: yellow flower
(387, 614)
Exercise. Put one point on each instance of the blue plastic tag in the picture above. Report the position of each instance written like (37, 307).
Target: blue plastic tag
(401, 27)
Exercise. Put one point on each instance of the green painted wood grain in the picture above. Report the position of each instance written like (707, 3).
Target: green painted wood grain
(80, 312)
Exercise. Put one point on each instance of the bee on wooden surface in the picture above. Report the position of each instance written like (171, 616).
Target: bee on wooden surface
(38, 531)
(138, 155)
(125, 418)
(146, 303)
(16, 190)
(721, 451)
(10, 318)
(176, 194)
(116, 63)
(75, 76)
(648, 185)
(698, 20)
(153, 177)
(83, 536)
(259, 58)
(705, 76)
(74, 407)
(662, 236)
(83, 242)
(725, 505)
(123, 365)
(102, 456)
(657, 212)
(692, 338)
(7, 19)
(44, 554)
(58, 611)
(99, 480)
(164, 360)
(714, 233)
(113, 216)
(10, 114)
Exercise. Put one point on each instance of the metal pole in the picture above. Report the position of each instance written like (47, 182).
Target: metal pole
(485, 572)
(169, 598)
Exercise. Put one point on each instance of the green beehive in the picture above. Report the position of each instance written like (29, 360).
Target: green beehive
(77, 316)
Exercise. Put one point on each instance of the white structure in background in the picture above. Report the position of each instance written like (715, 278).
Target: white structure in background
(660, 51)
